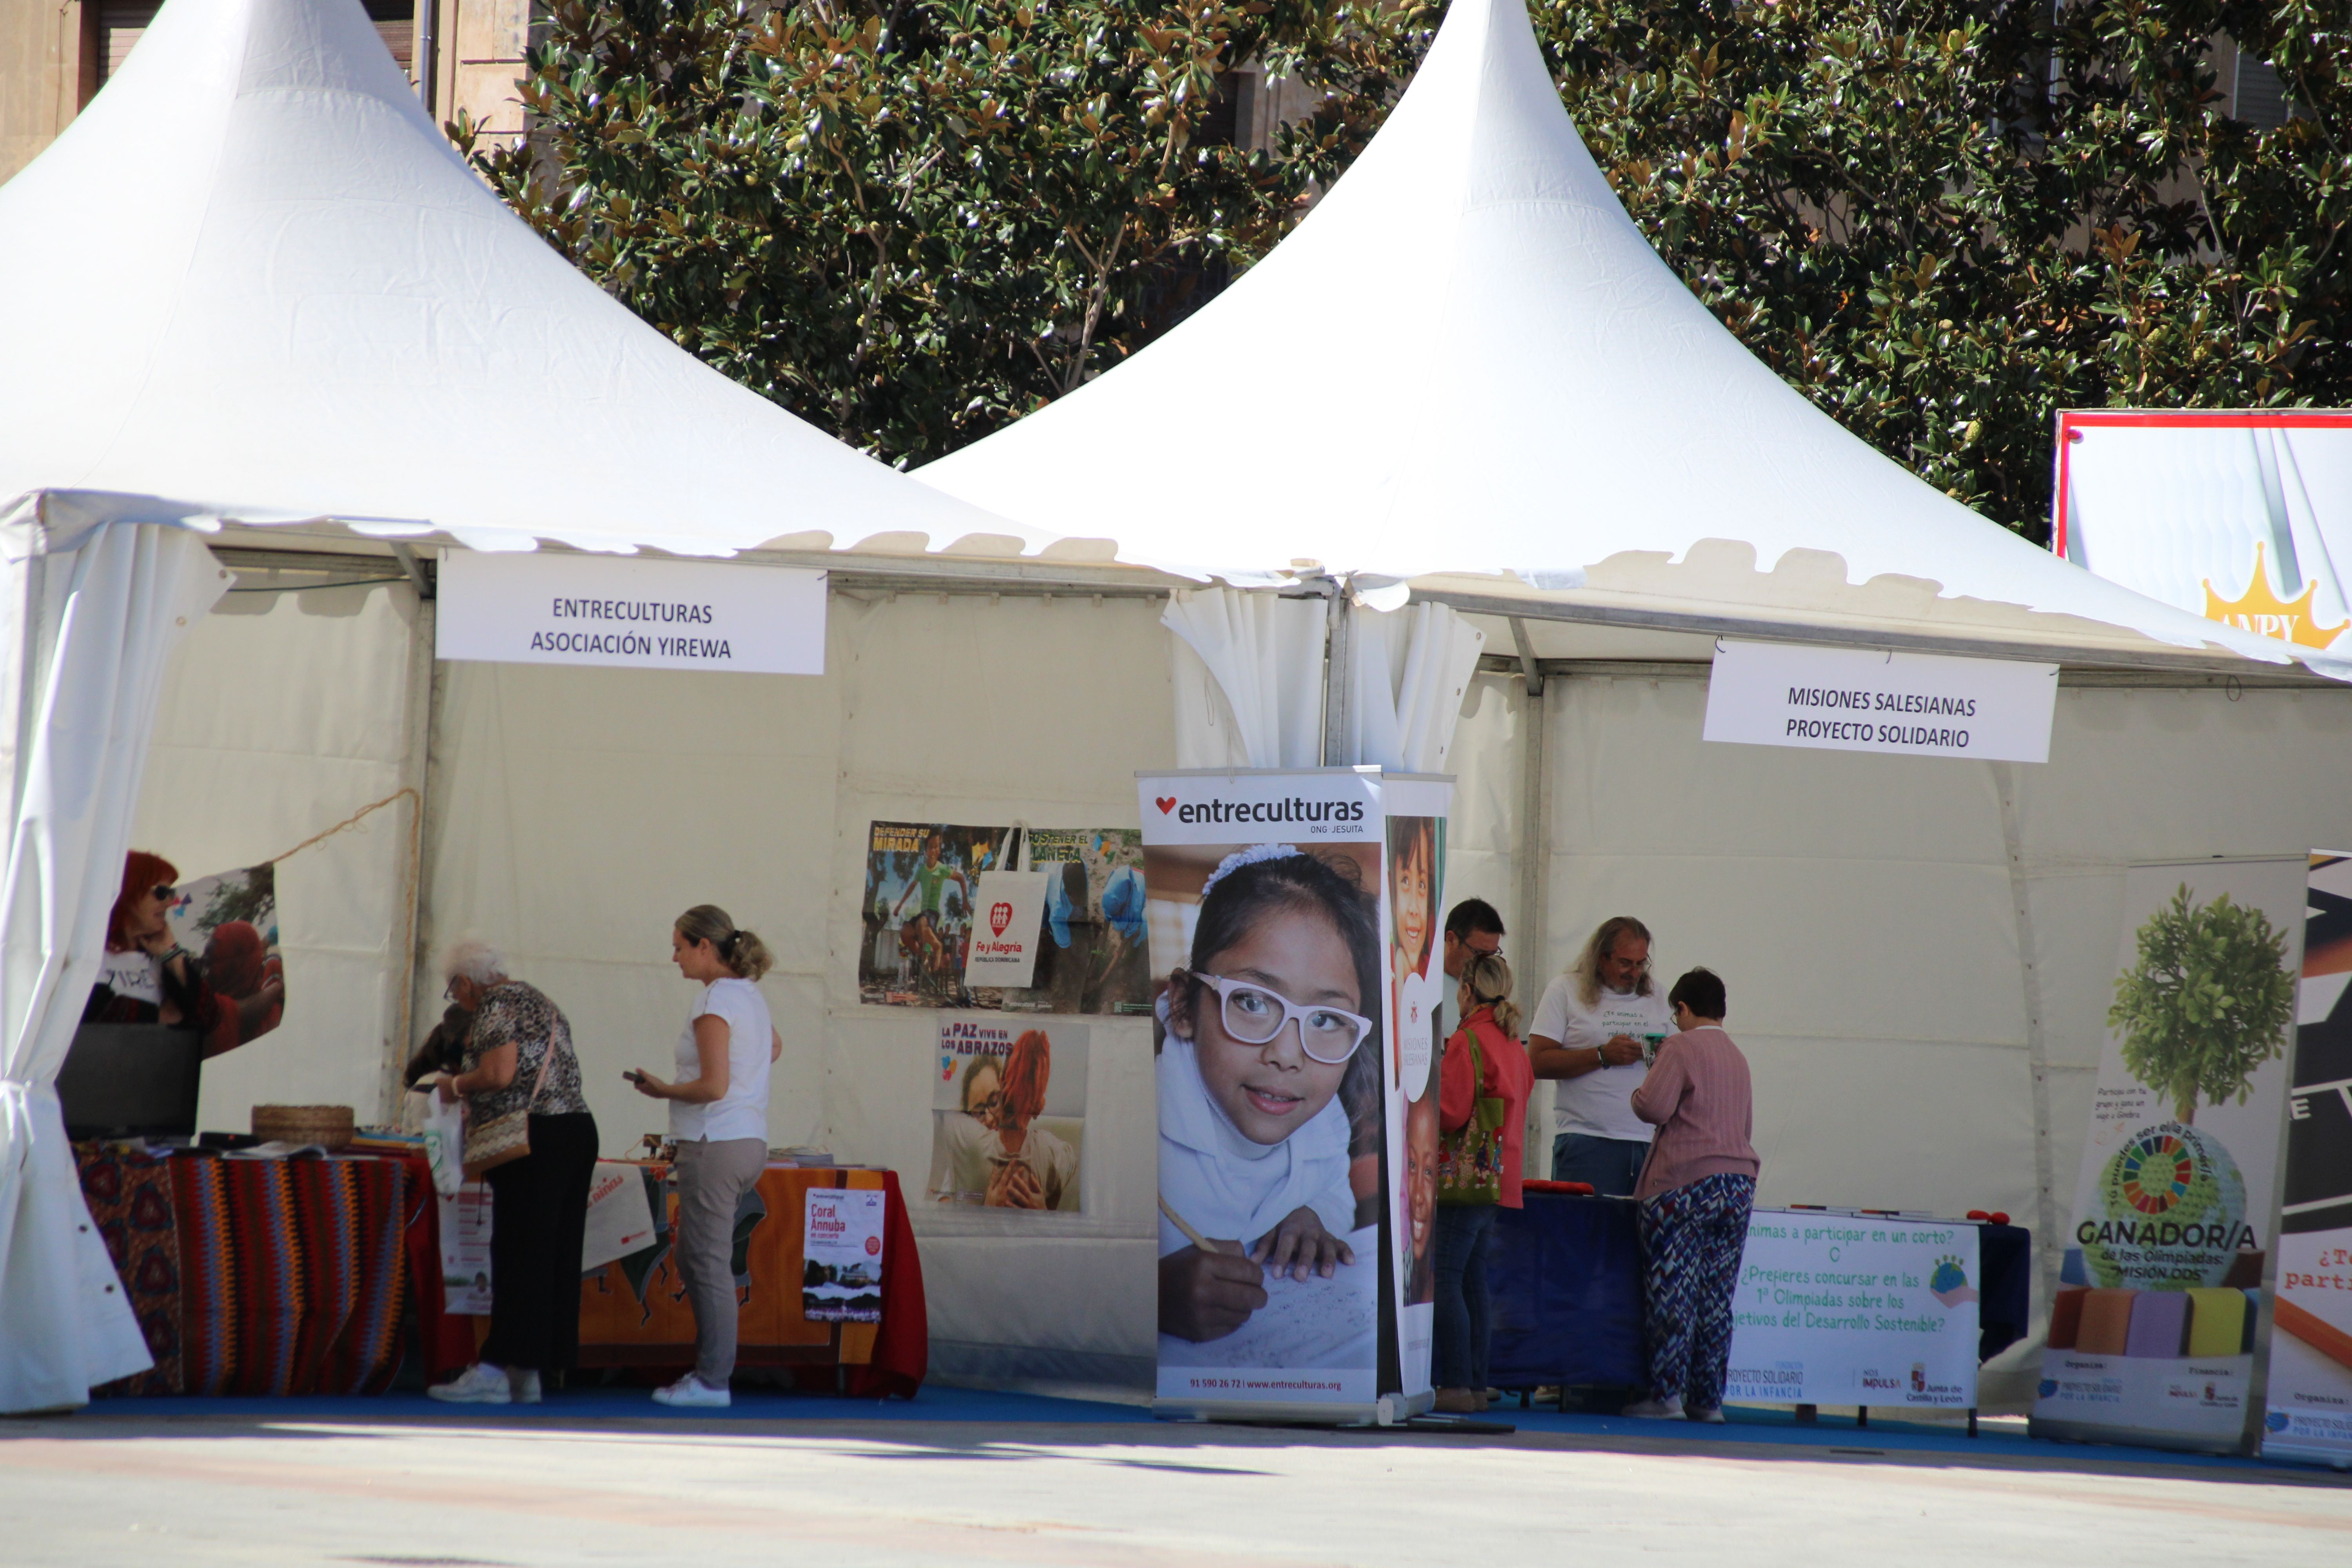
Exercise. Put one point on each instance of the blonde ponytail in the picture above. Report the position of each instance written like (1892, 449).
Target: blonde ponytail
(1489, 978)
(740, 949)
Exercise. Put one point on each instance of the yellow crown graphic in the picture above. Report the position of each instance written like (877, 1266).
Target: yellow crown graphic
(2263, 613)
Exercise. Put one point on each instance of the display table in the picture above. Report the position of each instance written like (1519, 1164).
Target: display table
(1565, 1277)
(633, 1311)
(263, 1276)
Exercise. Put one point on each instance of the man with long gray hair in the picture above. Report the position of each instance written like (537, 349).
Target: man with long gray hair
(1592, 1031)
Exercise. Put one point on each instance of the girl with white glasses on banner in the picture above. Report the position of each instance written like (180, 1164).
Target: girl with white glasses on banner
(1261, 1031)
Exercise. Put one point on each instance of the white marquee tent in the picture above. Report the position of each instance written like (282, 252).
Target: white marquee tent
(287, 315)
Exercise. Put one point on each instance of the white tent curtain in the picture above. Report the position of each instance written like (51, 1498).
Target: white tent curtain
(93, 612)
(1407, 671)
(1249, 679)
(1248, 669)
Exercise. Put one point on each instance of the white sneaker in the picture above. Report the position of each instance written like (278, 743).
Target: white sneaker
(691, 1390)
(1706, 1415)
(526, 1384)
(480, 1384)
(1667, 1409)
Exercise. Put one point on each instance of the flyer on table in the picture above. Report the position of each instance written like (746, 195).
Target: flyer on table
(2153, 1326)
(1264, 897)
(2310, 1413)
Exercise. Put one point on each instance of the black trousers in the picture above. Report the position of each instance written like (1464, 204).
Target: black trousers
(539, 1219)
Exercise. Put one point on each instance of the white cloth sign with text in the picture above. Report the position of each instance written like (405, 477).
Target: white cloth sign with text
(624, 612)
(1835, 1309)
(1902, 704)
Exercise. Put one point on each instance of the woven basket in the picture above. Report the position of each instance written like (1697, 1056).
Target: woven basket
(328, 1126)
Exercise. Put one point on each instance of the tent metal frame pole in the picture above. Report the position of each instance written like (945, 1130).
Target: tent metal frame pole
(1535, 881)
(1754, 629)
(1339, 661)
(419, 714)
(2047, 1240)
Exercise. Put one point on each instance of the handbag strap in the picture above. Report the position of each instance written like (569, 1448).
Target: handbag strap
(1477, 1065)
(546, 1060)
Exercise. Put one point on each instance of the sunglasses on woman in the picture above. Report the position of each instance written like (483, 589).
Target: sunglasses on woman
(1254, 1016)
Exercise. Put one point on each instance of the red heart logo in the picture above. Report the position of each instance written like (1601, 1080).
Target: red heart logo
(999, 917)
(1166, 803)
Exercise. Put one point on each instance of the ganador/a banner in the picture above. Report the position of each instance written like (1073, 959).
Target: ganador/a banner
(1852, 699)
(2152, 1328)
(625, 613)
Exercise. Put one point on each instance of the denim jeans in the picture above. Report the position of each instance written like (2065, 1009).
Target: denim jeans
(1466, 1321)
(1611, 1165)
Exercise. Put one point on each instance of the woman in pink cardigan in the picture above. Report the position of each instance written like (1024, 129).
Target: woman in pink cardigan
(1696, 1191)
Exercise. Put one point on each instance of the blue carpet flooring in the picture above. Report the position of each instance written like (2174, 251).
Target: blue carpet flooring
(1833, 1437)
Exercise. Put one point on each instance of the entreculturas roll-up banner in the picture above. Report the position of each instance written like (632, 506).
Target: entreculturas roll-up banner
(2310, 1415)
(2152, 1331)
(1264, 894)
(1416, 888)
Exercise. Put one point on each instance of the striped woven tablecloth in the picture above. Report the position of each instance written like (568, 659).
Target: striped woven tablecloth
(260, 1277)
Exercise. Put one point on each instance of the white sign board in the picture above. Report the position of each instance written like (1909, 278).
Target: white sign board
(1008, 917)
(1835, 1309)
(1902, 704)
(628, 613)
(841, 1255)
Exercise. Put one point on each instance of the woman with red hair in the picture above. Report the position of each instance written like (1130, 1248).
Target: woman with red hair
(147, 977)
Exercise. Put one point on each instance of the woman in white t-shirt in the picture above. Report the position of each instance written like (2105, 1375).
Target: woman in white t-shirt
(719, 1119)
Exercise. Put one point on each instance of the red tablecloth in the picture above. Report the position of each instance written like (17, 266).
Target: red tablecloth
(259, 1275)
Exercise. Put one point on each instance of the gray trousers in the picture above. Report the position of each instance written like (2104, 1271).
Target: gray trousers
(711, 1181)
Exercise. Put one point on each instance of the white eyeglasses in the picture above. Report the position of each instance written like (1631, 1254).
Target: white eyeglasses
(1254, 1016)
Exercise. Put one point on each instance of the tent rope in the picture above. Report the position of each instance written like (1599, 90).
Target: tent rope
(353, 820)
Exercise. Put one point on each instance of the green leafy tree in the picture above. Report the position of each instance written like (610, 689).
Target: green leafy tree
(913, 221)
(2209, 1002)
(1945, 219)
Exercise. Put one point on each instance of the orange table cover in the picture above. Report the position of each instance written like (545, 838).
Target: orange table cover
(621, 1327)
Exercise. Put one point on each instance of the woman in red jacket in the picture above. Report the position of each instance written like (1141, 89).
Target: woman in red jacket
(1465, 1321)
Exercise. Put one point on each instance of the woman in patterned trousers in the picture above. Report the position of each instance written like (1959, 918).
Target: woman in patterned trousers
(1696, 1191)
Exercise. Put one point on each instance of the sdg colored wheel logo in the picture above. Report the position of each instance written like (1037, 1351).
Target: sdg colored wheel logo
(2157, 1172)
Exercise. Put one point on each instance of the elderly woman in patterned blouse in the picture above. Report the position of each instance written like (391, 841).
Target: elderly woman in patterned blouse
(519, 1056)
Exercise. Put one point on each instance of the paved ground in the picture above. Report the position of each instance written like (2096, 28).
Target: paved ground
(408, 1485)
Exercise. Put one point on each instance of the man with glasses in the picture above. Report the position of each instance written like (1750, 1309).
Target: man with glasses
(1593, 1032)
(1473, 929)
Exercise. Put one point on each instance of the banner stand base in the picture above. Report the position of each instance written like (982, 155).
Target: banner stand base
(2332, 1457)
(1391, 1410)
(2133, 1437)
